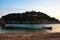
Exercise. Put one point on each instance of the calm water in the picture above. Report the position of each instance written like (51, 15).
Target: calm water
(55, 28)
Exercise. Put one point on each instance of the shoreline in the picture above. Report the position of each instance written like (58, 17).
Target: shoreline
(30, 36)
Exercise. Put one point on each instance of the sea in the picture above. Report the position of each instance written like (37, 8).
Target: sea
(55, 28)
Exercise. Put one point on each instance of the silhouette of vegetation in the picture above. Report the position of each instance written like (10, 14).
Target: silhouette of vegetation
(29, 17)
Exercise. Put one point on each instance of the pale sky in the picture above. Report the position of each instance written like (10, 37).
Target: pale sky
(50, 7)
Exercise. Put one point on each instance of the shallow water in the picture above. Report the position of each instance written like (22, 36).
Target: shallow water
(55, 28)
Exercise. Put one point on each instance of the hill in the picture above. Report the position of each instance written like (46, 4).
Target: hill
(31, 17)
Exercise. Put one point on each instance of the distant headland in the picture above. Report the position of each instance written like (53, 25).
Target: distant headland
(28, 17)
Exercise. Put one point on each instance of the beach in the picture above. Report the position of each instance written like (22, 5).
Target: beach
(30, 36)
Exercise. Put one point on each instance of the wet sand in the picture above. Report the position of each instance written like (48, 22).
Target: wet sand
(30, 36)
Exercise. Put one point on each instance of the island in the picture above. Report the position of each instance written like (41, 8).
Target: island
(28, 17)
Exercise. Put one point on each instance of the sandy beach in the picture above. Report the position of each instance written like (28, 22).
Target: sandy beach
(30, 36)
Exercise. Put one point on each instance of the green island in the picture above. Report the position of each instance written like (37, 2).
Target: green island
(28, 17)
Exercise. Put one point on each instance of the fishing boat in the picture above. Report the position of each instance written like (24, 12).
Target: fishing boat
(49, 28)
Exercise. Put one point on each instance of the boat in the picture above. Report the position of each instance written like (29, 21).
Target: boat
(49, 28)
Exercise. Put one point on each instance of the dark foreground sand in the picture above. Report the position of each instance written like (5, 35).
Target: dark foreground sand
(30, 36)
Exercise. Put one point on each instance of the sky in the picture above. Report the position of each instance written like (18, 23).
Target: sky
(49, 7)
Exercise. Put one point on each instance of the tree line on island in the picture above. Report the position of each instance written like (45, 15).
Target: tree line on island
(28, 17)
